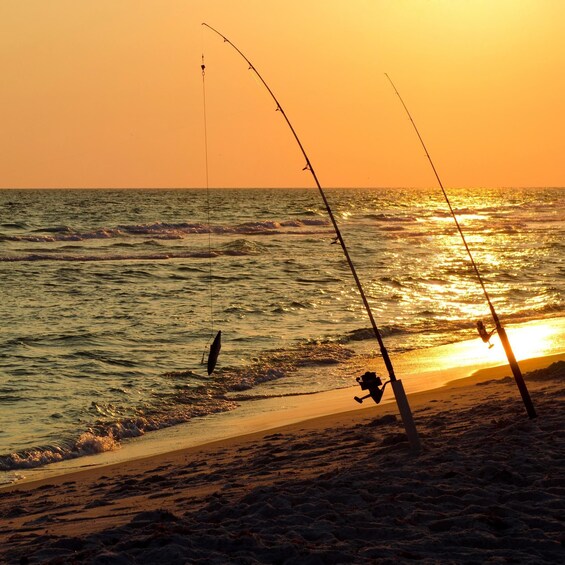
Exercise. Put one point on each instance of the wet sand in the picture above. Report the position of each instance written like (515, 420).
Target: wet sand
(488, 486)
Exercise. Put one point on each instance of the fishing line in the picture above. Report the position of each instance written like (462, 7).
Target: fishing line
(398, 389)
(203, 67)
(216, 344)
(499, 328)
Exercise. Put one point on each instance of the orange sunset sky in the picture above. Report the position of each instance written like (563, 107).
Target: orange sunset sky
(108, 93)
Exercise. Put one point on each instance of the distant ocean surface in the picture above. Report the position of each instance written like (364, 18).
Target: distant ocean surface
(110, 297)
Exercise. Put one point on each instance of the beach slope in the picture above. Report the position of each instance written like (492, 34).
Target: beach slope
(488, 487)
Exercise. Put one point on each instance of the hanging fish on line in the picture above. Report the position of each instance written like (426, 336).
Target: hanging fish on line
(217, 343)
(214, 352)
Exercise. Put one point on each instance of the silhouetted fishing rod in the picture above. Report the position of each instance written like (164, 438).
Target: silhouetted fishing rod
(398, 389)
(499, 328)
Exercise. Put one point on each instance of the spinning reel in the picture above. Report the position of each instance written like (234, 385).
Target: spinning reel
(485, 334)
(370, 382)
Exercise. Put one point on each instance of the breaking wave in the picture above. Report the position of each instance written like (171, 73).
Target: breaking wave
(169, 231)
(194, 396)
(239, 247)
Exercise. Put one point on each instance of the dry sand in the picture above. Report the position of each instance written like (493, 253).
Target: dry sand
(488, 488)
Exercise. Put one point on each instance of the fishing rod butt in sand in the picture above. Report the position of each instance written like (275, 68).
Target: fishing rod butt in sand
(518, 377)
(406, 415)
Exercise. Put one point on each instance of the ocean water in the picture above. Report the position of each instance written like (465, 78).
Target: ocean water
(109, 299)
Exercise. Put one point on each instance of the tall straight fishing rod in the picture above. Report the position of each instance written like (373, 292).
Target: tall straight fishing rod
(396, 384)
(499, 328)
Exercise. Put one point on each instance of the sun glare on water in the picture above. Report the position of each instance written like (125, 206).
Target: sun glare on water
(535, 339)
(529, 340)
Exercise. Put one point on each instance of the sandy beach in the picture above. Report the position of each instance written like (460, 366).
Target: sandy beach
(488, 487)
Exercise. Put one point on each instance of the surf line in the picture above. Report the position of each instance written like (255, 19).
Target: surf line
(480, 326)
(396, 384)
(216, 346)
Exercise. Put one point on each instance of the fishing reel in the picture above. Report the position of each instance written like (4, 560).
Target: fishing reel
(485, 334)
(370, 382)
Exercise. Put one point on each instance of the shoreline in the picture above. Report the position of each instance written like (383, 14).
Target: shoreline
(331, 405)
(422, 370)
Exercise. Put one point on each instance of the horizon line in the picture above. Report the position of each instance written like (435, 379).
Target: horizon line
(364, 187)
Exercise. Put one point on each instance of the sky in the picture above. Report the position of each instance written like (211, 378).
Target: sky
(110, 94)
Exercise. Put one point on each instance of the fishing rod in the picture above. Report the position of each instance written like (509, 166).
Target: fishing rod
(498, 325)
(397, 386)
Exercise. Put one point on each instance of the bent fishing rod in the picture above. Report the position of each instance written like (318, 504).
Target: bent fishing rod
(310, 168)
(499, 328)
(400, 396)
